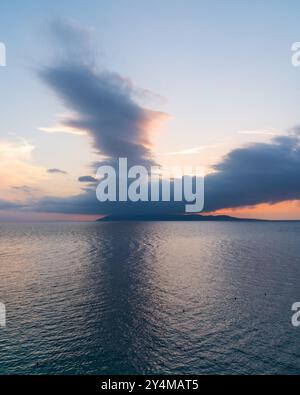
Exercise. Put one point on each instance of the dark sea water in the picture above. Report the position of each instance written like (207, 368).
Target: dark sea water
(150, 297)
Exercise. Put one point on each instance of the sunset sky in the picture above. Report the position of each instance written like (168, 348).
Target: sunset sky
(182, 82)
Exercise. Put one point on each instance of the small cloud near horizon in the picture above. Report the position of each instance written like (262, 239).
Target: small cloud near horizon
(87, 179)
(56, 171)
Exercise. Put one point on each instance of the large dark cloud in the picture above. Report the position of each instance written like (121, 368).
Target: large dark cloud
(258, 173)
(103, 102)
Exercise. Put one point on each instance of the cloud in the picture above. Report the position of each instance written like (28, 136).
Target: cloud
(25, 188)
(17, 167)
(20, 148)
(62, 129)
(73, 42)
(56, 171)
(262, 132)
(87, 203)
(104, 102)
(87, 179)
(193, 150)
(251, 175)
(258, 173)
(7, 205)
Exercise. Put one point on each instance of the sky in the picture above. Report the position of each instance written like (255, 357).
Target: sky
(193, 82)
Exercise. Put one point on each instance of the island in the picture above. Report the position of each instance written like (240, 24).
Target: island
(175, 217)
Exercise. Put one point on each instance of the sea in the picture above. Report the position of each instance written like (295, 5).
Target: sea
(150, 298)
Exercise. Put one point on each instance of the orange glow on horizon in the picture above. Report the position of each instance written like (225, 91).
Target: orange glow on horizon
(289, 210)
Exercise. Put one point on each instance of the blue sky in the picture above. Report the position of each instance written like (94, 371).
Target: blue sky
(217, 68)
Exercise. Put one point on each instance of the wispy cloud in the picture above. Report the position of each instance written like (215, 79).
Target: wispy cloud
(62, 129)
(8, 205)
(17, 167)
(20, 148)
(262, 132)
(25, 188)
(193, 150)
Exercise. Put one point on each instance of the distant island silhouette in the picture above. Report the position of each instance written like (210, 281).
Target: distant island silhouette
(175, 217)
